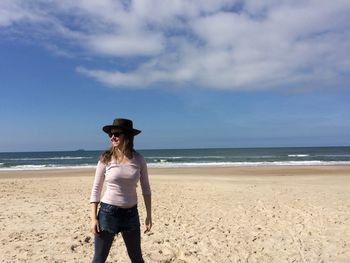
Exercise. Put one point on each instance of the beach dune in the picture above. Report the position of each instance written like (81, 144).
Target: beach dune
(228, 214)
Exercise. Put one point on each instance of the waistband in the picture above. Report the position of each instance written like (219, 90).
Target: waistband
(117, 208)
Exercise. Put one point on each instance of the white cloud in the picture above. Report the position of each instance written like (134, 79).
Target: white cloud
(126, 45)
(211, 44)
(114, 78)
(14, 11)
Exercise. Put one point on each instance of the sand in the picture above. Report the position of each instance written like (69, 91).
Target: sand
(270, 214)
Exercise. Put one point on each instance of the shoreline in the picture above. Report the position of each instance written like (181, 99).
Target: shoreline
(272, 170)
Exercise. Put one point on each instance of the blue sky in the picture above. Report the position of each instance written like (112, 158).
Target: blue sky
(191, 74)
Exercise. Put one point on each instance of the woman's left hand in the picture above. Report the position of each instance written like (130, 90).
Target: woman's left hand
(148, 224)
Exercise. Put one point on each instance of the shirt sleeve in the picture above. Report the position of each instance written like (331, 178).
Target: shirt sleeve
(98, 183)
(145, 186)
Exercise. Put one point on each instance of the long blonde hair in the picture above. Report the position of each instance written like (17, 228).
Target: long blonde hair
(127, 150)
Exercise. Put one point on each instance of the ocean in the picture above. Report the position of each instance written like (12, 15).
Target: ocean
(183, 158)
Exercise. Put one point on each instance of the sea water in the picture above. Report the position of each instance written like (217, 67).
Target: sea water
(183, 157)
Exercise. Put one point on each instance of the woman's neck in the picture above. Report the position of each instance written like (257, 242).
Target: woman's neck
(121, 156)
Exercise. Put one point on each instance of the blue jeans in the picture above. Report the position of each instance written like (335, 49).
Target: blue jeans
(112, 220)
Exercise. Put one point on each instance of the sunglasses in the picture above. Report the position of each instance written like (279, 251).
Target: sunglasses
(115, 134)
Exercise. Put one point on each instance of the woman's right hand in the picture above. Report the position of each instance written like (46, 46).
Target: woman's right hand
(94, 227)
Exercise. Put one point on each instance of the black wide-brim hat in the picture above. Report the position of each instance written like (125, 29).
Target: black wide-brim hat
(123, 124)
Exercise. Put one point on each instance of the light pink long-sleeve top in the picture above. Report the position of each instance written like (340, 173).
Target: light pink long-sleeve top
(121, 181)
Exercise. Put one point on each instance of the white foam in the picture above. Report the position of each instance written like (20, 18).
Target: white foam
(298, 155)
(183, 157)
(48, 158)
(255, 164)
(45, 167)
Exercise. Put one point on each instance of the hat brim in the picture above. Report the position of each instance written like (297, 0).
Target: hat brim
(108, 128)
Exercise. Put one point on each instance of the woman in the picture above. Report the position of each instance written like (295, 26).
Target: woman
(121, 167)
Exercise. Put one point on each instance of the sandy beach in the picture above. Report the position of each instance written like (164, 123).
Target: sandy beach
(231, 214)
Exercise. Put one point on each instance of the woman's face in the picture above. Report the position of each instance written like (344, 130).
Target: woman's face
(117, 138)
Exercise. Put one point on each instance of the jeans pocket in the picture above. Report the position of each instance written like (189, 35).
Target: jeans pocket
(107, 218)
(107, 209)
